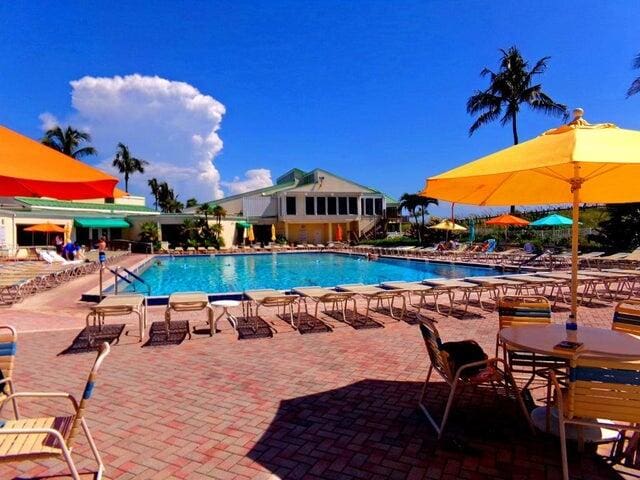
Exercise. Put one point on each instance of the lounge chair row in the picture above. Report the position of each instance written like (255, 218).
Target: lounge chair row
(24, 278)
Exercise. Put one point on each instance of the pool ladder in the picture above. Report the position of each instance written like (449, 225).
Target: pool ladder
(125, 278)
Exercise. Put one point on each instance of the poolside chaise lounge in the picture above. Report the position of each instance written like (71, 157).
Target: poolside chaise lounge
(326, 296)
(418, 289)
(372, 292)
(452, 286)
(188, 302)
(269, 298)
(29, 439)
(498, 283)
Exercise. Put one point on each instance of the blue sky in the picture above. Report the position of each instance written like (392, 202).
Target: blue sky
(374, 91)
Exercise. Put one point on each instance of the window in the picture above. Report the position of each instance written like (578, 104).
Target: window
(353, 206)
(291, 205)
(331, 206)
(378, 206)
(310, 205)
(368, 206)
(362, 206)
(321, 205)
(342, 205)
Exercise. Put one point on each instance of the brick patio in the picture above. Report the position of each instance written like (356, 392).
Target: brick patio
(327, 405)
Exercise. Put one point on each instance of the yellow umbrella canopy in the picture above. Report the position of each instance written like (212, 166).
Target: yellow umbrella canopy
(449, 225)
(273, 233)
(578, 162)
(250, 236)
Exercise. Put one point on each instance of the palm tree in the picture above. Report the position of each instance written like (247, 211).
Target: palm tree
(154, 185)
(508, 89)
(191, 202)
(127, 164)
(635, 86)
(205, 209)
(219, 213)
(423, 203)
(68, 141)
(168, 200)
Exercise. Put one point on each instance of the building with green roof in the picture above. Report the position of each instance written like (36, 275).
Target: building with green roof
(312, 206)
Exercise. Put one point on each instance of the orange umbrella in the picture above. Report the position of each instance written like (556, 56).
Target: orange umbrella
(30, 169)
(45, 228)
(508, 220)
(339, 233)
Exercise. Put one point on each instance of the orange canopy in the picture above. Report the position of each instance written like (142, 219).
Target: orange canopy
(30, 169)
(45, 228)
(508, 220)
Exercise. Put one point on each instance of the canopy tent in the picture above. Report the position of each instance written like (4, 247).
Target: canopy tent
(449, 226)
(553, 220)
(101, 222)
(31, 169)
(574, 163)
(243, 224)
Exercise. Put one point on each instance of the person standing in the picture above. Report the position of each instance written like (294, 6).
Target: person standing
(102, 250)
(59, 244)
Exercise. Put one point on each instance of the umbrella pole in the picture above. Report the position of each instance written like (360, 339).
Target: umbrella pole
(576, 183)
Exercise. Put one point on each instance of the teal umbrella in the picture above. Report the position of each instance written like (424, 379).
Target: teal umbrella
(472, 231)
(553, 220)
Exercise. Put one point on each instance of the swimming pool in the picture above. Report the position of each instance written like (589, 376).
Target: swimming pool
(236, 273)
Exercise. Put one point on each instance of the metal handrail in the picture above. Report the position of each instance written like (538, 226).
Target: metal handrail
(129, 272)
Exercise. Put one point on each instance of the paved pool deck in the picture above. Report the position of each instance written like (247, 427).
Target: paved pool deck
(339, 405)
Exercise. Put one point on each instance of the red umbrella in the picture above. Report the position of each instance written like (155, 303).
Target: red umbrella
(339, 233)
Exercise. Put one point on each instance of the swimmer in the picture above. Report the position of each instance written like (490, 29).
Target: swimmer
(372, 256)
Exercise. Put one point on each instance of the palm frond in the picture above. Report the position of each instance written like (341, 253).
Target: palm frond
(636, 62)
(84, 152)
(634, 88)
(483, 119)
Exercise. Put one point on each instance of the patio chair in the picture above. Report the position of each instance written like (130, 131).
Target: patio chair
(29, 439)
(477, 373)
(600, 389)
(626, 317)
(514, 311)
(8, 344)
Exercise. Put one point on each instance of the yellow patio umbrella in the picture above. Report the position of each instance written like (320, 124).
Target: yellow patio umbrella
(574, 163)
(273, 233)
(250, 236)
(449, 226)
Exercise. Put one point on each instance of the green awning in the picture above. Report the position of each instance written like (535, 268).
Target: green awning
(98, 222)
(243, 224)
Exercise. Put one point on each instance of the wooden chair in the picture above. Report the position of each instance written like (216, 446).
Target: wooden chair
(464, 375)
(598, 389)
(51, 437)
(626, 317)
(525, 310)
(8, 347)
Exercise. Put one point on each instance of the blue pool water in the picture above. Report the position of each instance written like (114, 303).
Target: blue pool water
(236, 273)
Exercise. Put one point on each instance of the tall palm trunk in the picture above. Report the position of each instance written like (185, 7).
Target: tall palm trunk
(514, 127)
(126, 182)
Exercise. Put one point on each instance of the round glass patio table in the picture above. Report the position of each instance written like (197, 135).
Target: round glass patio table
(598, 342)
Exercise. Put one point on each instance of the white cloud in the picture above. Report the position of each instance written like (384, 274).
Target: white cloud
(254, 179)
(48, 121)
